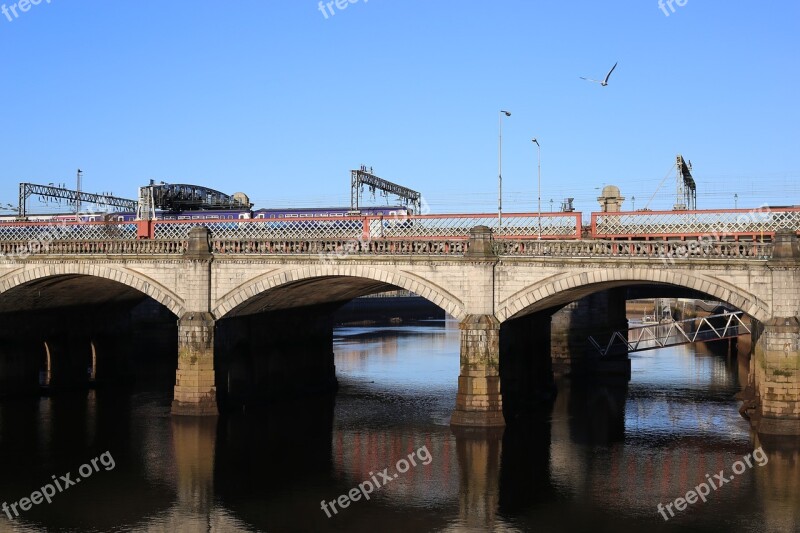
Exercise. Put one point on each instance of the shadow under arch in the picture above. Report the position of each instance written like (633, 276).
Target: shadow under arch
(53, 274)
(307, 286)
(66, 328)
(565, 288)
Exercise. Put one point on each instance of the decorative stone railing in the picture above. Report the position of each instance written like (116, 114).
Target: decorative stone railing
(328, 250)
(665, 250)
(22, 250)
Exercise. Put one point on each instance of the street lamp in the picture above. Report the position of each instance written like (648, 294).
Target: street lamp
(736, 200)
(551, 205)
(633, 203)
(500, 166)
(539, 201)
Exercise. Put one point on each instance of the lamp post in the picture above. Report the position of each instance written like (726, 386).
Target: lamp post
(78, 196)
(736, 200)
(551, 205)
(539, 188)
(633, 203)
(500, 166)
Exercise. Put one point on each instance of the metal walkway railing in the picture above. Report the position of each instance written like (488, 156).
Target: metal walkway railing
(653, 336)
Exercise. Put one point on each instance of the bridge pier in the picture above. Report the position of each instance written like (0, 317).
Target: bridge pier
(597, 315)
(195, 388)
(478, 401)
(776, 369)
(776, 365)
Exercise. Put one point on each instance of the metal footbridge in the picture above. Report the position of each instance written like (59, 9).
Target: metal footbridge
(674, 333)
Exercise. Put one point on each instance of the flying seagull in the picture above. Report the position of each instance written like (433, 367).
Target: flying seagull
(605, 81)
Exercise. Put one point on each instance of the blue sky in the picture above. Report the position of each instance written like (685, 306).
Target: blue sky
(273, 99)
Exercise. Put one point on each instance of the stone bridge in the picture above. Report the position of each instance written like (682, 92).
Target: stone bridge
(503, 292)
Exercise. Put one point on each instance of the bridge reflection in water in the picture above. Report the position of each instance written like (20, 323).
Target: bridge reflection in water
(602, 459)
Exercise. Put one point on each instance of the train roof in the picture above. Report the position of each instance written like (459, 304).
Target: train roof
(340, 208)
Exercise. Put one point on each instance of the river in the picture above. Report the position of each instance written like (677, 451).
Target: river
(382, 455)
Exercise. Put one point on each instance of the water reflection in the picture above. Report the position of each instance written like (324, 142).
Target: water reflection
(602, 459)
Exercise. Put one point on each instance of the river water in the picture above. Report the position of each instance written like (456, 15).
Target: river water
(602, 459)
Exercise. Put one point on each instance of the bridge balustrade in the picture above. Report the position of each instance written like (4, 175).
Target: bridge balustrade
(667, 250)
(341, 248)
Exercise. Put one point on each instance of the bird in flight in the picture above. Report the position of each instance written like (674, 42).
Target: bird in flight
(604, 82)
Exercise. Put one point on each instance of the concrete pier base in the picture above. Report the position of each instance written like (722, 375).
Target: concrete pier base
(195, 390)
(478, 401)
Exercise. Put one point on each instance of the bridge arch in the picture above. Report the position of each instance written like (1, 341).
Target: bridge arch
(124, 276)
(284, 278)
(565, 288)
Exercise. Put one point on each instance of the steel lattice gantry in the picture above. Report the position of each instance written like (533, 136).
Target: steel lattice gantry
(361, 177)
(26, 190)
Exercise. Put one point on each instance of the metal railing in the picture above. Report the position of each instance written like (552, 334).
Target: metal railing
(727, 233)
(47, 231)
(419, 227)
(717, 224)
(653, 336)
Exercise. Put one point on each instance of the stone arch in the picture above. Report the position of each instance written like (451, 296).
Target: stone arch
(420, 286)
(127, 277)
(551, 287)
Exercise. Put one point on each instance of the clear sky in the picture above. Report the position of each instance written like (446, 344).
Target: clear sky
(274, 99)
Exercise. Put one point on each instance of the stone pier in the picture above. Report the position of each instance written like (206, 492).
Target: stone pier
(478, 401)
(775, 368)
(195, 387)
(597, 315)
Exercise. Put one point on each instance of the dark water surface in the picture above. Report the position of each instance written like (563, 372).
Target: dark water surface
(601, 461)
